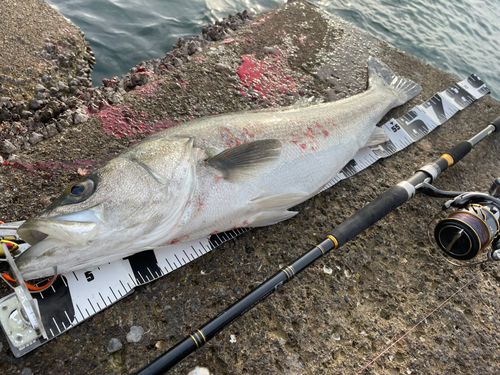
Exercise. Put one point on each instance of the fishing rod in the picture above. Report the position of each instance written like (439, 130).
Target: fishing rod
(462, 236)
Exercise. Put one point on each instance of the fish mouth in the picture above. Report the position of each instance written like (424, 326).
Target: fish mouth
(50, 240)
(76, 233)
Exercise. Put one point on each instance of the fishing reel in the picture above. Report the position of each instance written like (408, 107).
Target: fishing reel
(473, 228)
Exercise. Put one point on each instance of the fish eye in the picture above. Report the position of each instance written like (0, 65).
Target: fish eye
(77, 189)
(79, 192)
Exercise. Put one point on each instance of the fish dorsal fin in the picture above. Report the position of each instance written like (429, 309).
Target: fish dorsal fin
(246, 158)
(377, 138)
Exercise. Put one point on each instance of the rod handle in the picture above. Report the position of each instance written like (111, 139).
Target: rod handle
(370, 214)
(458, 151)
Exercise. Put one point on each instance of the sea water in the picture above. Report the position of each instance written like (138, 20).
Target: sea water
(460, 36)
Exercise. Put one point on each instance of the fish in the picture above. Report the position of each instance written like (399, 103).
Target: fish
(208, 175)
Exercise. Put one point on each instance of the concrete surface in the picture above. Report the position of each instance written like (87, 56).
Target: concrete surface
(383, 283)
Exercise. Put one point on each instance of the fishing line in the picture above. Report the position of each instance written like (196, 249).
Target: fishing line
(416, 325)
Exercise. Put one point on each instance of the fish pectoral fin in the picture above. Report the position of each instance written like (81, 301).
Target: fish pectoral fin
(271, 217)
(377, 138)
(246, 158)
(284, 200)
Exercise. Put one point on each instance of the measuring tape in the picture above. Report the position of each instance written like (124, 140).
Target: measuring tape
(77, 296)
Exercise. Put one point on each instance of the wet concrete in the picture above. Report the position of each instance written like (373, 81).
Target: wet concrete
(383, 283)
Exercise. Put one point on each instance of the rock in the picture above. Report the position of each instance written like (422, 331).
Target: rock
(46, 114)
(114, 98)
(20, 105)
(222, 68)
(74, 82)
(40, 88)
(42, 96)
(62, 87)
(8, 147)
(62, 124)
(6, 102)
(35, 138)
(79, 117)
(26, 371)
(335, 336)
(35, 104)
(135, 334)
(51, 130)
(194, 47)
(199, 371)
(114, 345)
(5, 114)
(26, 114)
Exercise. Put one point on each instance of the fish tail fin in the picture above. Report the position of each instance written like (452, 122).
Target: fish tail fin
(380, 74)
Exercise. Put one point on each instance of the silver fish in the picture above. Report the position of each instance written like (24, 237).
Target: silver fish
(206, 176)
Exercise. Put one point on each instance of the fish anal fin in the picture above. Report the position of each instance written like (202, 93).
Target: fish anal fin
(271, 217)
(246, 158)
(284, 200)
(377, 137)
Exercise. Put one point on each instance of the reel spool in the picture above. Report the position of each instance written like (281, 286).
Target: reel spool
(472, 228)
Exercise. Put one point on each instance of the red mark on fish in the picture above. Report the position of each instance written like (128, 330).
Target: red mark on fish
(230, 138)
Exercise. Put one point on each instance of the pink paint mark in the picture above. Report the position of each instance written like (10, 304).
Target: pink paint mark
(301, 39)
(245, 222)
(162, 125)
(270, 77)
(265, 18)
(182, 83)
(54, 167)
(120, 121)
(215, 231)
(150, 89)
(303, 145)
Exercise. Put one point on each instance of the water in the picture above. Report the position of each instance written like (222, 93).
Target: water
(459, 36)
